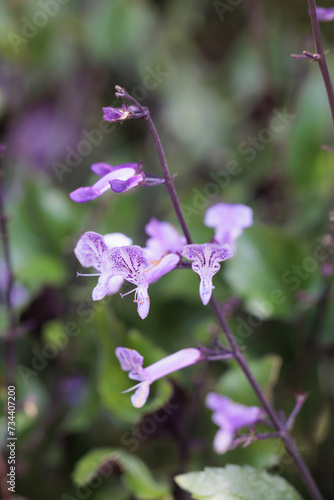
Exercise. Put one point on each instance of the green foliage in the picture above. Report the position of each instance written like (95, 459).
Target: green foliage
(234, 482)
(136, 476)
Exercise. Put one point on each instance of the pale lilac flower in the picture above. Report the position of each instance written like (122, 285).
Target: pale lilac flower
(206, 258)
(164, 239)
(132, 362)
(324, 14)
(121, 262)
(229, 221)
(230, 417)
(120, 178)
(92, 251)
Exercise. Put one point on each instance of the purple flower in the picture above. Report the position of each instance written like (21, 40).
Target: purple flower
(92, 251)
(206, 260)
(164, 239)
(230, 417)
(120, 178)
(229, 221)
(132, 362)
(325, 14)
(123, 262)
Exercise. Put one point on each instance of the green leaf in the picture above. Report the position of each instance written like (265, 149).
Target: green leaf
(234, 482)
(262, 271)
(235, 385)
(136, 476)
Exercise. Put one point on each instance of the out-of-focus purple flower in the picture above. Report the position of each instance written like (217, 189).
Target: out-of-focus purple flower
(122, 262)
(206, 258)
(120, 178)
(230, 417)
(92, 250)
(132, 362)
(324, 14)
(228, 220)
(164, 239)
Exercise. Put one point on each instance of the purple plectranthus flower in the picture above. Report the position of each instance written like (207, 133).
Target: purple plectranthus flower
(228, 220)
(230, 417)
(206, 258)
(325, 14)
(164, 239)
(92, 250)
(121, 262)
(119, 179)
(132, 362)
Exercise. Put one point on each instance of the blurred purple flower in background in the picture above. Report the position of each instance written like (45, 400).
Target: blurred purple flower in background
(206, 258)
(325, 14)
(230, 417)
(228, 220)
(120, 178)
(132, 362)
(164, 239)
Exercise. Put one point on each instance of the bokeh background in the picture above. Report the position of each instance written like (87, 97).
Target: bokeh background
(241, 122)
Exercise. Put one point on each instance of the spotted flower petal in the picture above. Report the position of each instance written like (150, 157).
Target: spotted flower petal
(206, 258)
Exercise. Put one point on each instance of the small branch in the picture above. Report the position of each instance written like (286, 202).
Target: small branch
(322, 57)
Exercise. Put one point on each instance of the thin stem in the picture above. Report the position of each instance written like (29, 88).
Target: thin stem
(168, 180)
(9, 281)
(322, 59)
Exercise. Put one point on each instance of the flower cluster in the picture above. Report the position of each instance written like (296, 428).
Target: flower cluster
(116, 259)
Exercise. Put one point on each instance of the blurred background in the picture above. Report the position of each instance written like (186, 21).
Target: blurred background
(241, 122)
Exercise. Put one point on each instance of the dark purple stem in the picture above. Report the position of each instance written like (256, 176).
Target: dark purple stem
(322, 59)
(9, 280)
(278, 424)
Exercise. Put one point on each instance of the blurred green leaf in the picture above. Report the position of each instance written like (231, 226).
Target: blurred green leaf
(234, 482)
(235, 385)
(137, 477)
(262, 272)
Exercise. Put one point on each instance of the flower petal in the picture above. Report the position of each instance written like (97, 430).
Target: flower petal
(324, 14)
(120, 186)
(139, 398)
(229, 413)
(164, 235)
(174, 362)
(129, 262)
(101, 168)
(130, 360)
(166, 264)
(91, 251)
(223, 440)
(228, 221)
(206, 260)
(114, 240)
(102, 287)
(83, 194)
(143, 301)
